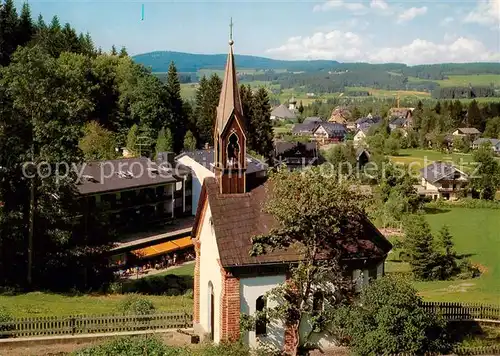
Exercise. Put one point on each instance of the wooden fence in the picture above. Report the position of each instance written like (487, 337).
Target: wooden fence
(463, 311)
(83, 324)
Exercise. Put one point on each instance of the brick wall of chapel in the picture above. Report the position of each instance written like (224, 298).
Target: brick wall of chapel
(230, 307)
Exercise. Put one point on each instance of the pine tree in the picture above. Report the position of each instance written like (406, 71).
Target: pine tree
(70, 39)
(261, 134)
(446, 241)
(419, 244)
(26, 29)
(189, 142)
(177, 122)
(8, 31)
(164, 142)
(207, 99)
(448, 264)
(301, 108)
(132, 139)
(474, 118)
(437, 108)
(113, 50)
(123, 52)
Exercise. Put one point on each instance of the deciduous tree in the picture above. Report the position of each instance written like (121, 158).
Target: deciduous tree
(317, 223)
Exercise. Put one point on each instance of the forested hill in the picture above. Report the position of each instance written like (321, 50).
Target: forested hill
(190, 63)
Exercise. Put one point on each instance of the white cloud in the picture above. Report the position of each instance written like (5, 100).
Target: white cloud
(486, 13)
(446, 21)
(356, 7)
(379, 4)
(350, 47)
(411, 13)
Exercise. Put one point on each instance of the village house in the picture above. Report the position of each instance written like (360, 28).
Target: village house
(360, 137)
(471, 133)
(292, 104)
(227, 280)
(282, 112)
(304, 129)
(493, 142)
(367, 121)
(295, 155)
(340, 115)
(312, 119)
(328, 132)
(441, 180)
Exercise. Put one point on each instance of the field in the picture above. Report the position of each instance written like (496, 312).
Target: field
(51, 304)
(382, 93)
(465, 80)
(476, 234)
(419, 158)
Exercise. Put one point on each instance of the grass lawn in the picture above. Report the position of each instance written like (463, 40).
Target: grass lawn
(419, 158)
(476, 233)
(51, 304)
(188, 90)
(283, 129)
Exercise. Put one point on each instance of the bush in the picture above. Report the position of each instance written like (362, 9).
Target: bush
(140, 346)
(132, 346)
(388, 319)
(5, 317)
(465, 203)
(137, 305)
(159, 285)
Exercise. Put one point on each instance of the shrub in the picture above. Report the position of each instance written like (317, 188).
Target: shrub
(159, 285)
(137, 305)
(469, 203)
(140, 346)
(388, 319)
(132, 346)
(115, 288)
(5, 317)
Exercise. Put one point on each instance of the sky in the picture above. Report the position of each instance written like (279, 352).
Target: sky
(375, 31)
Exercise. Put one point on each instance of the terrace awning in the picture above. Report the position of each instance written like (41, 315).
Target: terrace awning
(164, 247)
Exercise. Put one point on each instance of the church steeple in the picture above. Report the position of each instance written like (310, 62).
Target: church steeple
(229, 133)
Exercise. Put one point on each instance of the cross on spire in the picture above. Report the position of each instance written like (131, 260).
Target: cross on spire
(231, 32)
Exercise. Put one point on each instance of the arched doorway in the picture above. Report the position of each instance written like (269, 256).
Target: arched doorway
(211, 310)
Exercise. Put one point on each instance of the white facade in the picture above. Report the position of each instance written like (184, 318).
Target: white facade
(359, 138)
(199, 174)
(253, 288)
(210, 277)
(250, 290)
(443, 189)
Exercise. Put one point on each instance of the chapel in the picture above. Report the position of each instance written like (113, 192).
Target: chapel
(228, 281)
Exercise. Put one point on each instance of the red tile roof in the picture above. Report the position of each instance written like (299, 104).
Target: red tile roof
(237, 218)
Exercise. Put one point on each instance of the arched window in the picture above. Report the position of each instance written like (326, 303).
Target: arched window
(260, 323)
(233, 151)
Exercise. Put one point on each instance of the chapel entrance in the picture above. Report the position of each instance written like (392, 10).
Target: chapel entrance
(211, 310)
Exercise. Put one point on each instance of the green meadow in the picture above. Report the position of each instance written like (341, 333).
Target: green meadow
(476, 233)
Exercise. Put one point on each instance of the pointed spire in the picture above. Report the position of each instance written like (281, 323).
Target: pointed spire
(229, 101)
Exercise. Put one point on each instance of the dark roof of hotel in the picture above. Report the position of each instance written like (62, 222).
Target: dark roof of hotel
(236, 218)
(104, 176)
(206, 159)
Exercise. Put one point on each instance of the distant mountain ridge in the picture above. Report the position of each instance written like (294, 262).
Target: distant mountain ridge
(159, 61)
(189, 62)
